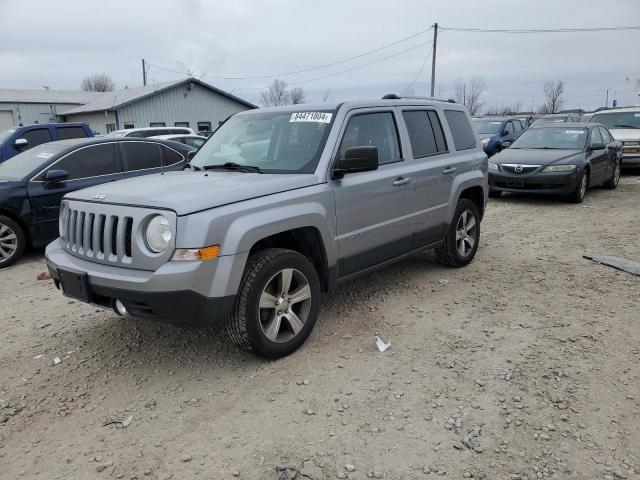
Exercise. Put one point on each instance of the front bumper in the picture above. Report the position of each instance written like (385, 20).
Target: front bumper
(178, 291)
(557, 183)
(630, 159)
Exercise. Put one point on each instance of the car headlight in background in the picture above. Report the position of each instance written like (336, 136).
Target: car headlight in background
(559, 168)
(158, 233)
(494, 167)
(484, 141)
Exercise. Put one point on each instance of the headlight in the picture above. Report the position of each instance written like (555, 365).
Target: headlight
(158, 233)
(494, 167)
(559, 168)
(484, 141)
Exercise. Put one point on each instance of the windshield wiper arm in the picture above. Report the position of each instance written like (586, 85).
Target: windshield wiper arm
(192, 167)
(624, 126)
(234, 167)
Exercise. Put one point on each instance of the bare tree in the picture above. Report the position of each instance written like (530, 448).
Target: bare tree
(468, 93)
(407, 91)
(326, 95)
(504, 110)
(97, 82)
(553, 90)
(278, 93)
(296, 95)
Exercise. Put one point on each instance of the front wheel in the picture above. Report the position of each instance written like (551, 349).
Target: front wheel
(615, 178)
(277, 303)
(462, 236)
(581, 189)
(12, 241)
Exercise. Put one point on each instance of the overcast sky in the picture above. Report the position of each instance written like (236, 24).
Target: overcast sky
(57, 43)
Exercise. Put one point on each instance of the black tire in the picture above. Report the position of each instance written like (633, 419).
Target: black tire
(615, 178)
(448, 254)
(495, 193)
(15, 241)
(245, 326)
(577, 196)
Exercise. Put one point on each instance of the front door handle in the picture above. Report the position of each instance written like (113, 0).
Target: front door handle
(401, 181)
(449, 170)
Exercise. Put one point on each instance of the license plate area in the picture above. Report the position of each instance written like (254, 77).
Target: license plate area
(75, 285)
(515, 182)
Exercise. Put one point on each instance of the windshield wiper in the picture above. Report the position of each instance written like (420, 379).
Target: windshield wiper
(236, 167)
(192, 167)
(624, 126)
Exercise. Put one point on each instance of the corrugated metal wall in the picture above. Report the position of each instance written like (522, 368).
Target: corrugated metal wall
(180, 105)
(27, 113)
(96, 120)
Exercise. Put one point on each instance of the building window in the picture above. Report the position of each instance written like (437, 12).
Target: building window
(157, 124)
(181, 124)
(204, 126)
(127, 125)
(111, 127)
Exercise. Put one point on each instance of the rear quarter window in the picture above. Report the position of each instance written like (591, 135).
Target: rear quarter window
(463, 136)
(70, 132)
(142, 155)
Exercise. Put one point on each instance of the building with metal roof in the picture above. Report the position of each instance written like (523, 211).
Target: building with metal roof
(189, 102)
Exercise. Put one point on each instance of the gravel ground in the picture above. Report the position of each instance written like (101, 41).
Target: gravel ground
(522, 365)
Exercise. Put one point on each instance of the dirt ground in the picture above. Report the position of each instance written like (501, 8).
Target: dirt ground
(523, 365)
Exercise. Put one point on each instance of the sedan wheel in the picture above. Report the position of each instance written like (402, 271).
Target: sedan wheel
(284, 306)
(12, 241)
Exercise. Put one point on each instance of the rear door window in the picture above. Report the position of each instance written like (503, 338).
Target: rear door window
(441, 142)
(91, 161)
(65, 133)
(37, 136)
(141, 155)
(463, 136)
(421, 136)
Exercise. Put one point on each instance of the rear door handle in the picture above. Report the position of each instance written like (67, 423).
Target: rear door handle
(449, 170)
(401, 181)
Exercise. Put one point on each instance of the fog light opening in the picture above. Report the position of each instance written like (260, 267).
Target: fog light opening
(119, 308)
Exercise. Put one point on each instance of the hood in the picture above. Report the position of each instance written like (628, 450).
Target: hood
(186, 191)
(625, 134)
(525, 156)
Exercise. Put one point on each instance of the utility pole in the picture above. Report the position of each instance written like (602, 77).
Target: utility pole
(144, 73)
(433, 59)
(607, 102)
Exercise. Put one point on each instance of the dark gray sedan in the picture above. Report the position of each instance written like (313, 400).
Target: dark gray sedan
(562, 159)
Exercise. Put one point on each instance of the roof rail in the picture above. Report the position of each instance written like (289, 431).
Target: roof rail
(393, 96)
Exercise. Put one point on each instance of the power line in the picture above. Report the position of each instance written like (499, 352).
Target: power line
(303, 70)
(541, 30)
(424, 64)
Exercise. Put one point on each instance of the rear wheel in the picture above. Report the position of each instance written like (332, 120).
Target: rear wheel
(277, 303)
(462, 236)
(615, 178)
(12, 241)
(578, 194)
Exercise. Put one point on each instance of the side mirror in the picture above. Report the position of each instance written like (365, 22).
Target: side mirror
(505, 144)
(56, 176)
(191, 154)
(21, 143)
(597, 146)
(356, 159)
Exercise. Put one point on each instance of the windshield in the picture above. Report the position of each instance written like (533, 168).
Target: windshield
(18, 167)
(617, 119)
(552, 138)
(6, 134)
(486, 127)
(275, 142)
(543, 120)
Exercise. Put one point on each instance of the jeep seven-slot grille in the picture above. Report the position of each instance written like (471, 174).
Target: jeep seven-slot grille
(99, 236)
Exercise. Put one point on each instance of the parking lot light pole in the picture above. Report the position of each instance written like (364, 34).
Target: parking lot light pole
(433, 59)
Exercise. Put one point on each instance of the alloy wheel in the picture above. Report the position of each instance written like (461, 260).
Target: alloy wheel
(284, 305)
(466, 232)
(616, 175)
(8, 243)
(583, 186)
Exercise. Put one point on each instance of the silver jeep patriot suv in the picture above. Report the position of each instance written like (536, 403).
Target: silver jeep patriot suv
(279, 205)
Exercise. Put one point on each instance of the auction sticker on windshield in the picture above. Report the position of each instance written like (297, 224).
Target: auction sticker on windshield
(318, 117)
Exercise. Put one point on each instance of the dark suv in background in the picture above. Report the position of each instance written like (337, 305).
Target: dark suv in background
(19, 139)
(33, 183)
